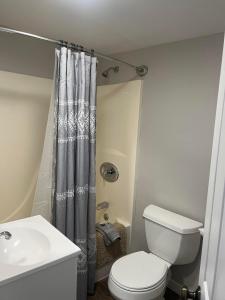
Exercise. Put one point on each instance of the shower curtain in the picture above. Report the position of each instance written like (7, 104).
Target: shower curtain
(73, 191)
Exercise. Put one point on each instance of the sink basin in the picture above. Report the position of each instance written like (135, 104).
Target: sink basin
(26, 247)
(34, 245)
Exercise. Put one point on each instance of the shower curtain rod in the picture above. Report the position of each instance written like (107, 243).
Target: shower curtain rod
(140, 70)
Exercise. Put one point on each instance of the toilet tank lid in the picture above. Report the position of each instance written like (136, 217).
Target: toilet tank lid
(171, 220)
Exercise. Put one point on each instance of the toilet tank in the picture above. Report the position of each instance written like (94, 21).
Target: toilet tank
(170, 236)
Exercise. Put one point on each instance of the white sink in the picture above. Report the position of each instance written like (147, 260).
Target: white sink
(25, 247)
(34, 243)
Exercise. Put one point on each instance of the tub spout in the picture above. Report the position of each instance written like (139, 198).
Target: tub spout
(102, 205)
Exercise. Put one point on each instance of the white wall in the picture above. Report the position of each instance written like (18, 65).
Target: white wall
(176, 129)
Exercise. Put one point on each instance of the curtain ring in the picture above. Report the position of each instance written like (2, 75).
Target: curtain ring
(64, 43)
(73, 46)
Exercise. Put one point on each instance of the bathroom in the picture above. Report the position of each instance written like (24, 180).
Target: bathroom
(159, 89)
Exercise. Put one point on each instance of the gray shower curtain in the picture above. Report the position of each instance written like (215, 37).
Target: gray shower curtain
(74, 158)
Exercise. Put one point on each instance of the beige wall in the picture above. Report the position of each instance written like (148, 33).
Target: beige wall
(176, 129)
(24, 102)
(117, 129)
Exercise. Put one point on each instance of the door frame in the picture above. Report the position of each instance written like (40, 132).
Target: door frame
(213, 230)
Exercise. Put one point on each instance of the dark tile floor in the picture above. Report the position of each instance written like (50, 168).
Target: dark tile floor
(102, 293)
(170, 295)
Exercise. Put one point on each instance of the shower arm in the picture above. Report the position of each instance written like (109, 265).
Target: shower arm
(141, 70)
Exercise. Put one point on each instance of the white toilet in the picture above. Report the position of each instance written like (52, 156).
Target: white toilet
(172, 240)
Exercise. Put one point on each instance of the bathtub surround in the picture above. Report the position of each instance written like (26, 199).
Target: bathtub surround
(117, 131)
(176, 130)
(42, 202)
(24, 104)
(74, 205)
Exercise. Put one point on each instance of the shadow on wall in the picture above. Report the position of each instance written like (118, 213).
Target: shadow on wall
(190, 274)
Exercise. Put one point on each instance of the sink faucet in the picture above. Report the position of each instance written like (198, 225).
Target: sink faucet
(5, 234)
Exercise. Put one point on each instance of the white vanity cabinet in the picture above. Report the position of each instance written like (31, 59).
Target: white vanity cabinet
(37, 262)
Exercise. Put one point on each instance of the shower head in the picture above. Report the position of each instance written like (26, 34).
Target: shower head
(114, 69)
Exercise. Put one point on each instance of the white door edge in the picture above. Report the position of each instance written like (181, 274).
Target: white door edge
(205, 292)
(215, 198)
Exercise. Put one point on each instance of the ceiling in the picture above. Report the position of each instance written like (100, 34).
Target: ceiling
(113, 26)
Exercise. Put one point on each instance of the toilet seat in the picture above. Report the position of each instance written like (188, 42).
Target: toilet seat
(139, 272)
(119, 293)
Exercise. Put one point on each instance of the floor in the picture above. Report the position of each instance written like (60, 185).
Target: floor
(102, 293)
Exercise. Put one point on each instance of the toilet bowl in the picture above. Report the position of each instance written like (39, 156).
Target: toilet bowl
(139, 275)
(172, 239)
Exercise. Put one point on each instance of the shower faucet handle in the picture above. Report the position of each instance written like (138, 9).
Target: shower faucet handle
(6, 235)
(109, 172)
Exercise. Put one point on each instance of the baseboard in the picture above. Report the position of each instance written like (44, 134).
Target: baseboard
(174, 286)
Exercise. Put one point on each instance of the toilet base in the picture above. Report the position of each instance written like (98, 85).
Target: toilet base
(119, 293)
(158, 298)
